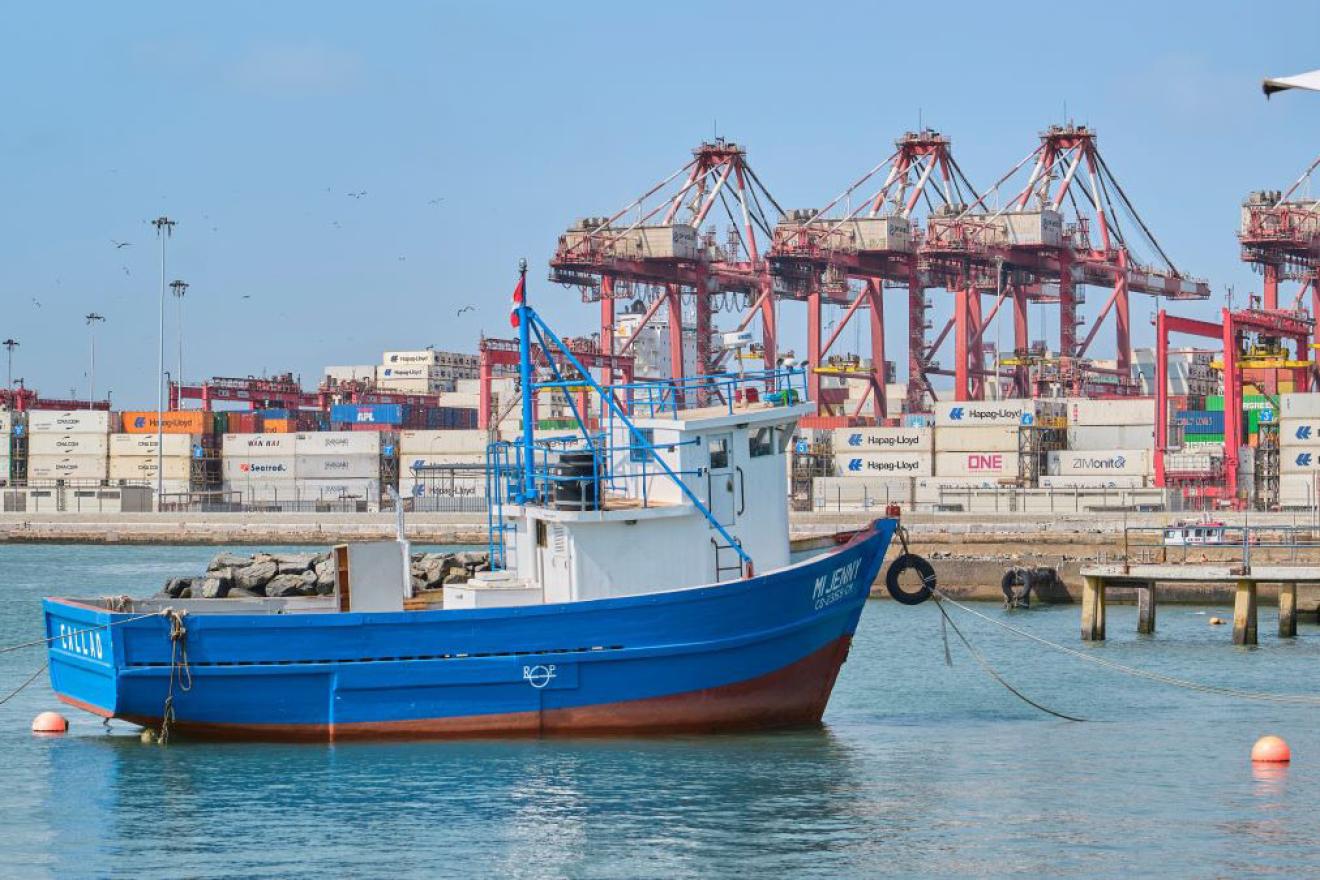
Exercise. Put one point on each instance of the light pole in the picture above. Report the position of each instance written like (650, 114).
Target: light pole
(164, 229)
(179, 289)
(92, 320)
(10, 344)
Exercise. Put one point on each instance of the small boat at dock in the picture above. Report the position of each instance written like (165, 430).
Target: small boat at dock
(641, 582)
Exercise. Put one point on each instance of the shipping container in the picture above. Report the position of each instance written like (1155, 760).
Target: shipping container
(399, 372)
(1126, 411)
(996, 438)
(1092, 481)
(369, 414)
(69, 444)
(6, 421)
(438, 442)
(986, 463)
(1299, 432)
(191, 421)
(875, 464)
(1092, 438)
(881, 439)
(1200, 421)
(290, 491)
(255, 445)
(932, 490)
(343, 467)
(1301, 490)
(1299, 406)
(415, 463)
(136, 445)
(1193, 461)
(336, 443)
(1298, 460)
(410, 358)
(81, 421)
(437, 488)
(263, 467)
(66, 467)
(276, 413)
(853, 491)
(142, 467)
(984, 413)
(1070, 462)
(278, 426)
(360, 373)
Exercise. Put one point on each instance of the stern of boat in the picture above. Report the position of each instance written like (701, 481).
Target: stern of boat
(82, 652)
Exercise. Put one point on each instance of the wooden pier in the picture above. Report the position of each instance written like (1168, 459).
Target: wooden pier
(1144, 577)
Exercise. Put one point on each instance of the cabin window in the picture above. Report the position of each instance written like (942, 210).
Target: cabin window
(636, 453)
(761, 442)
(719, 453)
(541, 540)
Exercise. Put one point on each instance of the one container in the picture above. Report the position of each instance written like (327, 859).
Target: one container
(79, 421)
(986, 463)
(997, 438)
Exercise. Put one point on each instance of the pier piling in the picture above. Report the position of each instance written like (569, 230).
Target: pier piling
(1244, 613)
(1287, 611)
(1146, 610)
(1093, 609)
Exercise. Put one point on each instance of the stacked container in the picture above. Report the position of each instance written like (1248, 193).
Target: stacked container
(134, 459)
(442, 464)
(336, 464)
(6, 446)
(1299, 450)
(1110, 445)
(68, 445)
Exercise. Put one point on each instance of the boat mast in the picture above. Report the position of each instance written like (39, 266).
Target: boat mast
(525, 377)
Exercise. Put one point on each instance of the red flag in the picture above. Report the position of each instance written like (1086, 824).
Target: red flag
(513, 317)
(519, 292)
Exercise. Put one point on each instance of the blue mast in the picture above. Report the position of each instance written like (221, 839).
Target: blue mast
(525, 377)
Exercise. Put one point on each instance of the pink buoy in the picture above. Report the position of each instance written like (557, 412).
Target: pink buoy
(50, 722)
(1271, 750)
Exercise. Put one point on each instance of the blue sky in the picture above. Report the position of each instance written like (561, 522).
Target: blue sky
(249, 124)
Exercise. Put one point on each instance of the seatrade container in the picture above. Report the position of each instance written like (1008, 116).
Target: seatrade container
(367, 414)
(78, 421)
(259, 445)
(338, 443)
(981, 413)
(241, 467)
(188, 421)
(994, 438)
(1122, 461)
(1299, 432)
(883, 464)
(881, 440)
(69, 444)
(1299, 406)
(988, 463)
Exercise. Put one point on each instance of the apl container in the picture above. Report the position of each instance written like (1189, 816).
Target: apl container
(367, 414)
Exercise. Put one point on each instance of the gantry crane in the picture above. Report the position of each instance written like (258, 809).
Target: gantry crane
(1039, 247)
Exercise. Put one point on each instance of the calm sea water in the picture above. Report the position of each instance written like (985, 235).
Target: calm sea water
(920, 771)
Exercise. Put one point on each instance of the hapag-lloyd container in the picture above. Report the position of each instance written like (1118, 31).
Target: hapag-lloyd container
(1117, 461)
(79, 421)
(1299, 432)
(881, 440)
(410, 358)
(340, 467)
(992, 463)
(442, 488)
(258, 445)
(130, 445)
(1299, 460)
(1299, 406)
(996, 438)
(982, 413)
(438, 442)
(337, 443)
(70, 467)
(262, 467)
(883, 464)
(191, 421)
(412, 462)
(69, 444)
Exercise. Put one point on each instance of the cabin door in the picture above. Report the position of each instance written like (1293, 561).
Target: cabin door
(720, 478)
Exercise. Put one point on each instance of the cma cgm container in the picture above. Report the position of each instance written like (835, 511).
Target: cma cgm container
(69, 444)
(137, 445)
(367, 414)
(66, 467)
(881, 440)
(883, 464)
(191, 421)
(81, 421)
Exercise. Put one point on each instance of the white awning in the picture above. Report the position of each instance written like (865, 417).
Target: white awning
(1309, 81)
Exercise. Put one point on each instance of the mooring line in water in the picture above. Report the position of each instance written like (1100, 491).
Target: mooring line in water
(18, 690)
(78, 632)
(985, 664)
(1262, 696)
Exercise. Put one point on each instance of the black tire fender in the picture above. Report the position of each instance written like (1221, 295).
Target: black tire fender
(901, 565)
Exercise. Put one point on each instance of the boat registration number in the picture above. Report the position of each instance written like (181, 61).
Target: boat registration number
(835, 586)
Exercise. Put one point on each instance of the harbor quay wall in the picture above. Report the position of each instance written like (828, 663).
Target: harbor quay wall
(970, 552)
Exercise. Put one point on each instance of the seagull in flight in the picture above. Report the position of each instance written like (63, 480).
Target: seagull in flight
(35, 303)
(357, 195)
(126, 272)
(465, 309)
(121, 244)
(436, 200)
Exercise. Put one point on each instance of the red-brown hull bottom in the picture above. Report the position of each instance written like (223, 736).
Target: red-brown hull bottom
(794, 696)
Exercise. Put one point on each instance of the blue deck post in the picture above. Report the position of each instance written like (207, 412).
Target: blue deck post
(525, 377)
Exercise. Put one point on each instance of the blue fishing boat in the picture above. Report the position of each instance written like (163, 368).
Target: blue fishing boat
(641, 582)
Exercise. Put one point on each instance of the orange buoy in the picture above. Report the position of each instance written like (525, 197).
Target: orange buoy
(50, 722)
(1271, 750)
(1216, 621)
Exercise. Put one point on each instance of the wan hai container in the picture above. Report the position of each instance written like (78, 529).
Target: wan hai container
(264, 445)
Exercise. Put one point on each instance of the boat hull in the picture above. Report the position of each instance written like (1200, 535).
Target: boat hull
(758, 653)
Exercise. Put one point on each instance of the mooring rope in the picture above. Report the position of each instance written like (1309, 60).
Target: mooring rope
(1173, 681)
(18, 690)
(180, 671)
(77, 632)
